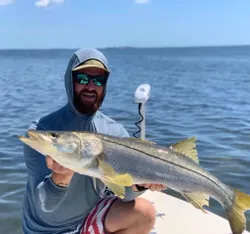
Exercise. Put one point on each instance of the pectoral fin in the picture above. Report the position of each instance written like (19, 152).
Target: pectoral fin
(198, 200)
(118, 190)
(113, 177)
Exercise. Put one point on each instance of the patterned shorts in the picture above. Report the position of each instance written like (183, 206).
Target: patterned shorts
(94, 222)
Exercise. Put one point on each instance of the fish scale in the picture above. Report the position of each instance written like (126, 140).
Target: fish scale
(120, 157)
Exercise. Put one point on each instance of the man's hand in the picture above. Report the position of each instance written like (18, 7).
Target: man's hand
(61, 176)
(152, 187)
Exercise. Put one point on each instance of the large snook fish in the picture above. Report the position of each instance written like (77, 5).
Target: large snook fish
(121, 162)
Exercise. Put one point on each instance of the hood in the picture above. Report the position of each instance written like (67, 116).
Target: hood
(77, 58)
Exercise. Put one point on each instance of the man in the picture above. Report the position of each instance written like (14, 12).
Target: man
(57, 200)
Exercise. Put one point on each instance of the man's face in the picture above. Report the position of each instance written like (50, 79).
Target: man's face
(89, 93)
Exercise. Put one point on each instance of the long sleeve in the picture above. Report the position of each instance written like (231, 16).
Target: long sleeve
(46, 195)
(131, 195)
(49, 208)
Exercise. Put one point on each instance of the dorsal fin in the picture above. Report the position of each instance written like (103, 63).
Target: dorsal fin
(188, 148)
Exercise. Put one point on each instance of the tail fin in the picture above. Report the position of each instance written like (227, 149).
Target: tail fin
(236, 214)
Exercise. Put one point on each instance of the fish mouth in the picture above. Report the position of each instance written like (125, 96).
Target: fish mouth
(32, 137)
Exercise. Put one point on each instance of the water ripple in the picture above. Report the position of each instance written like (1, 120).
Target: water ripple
(195, 92)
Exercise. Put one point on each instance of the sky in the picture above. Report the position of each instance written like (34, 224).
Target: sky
(114, 23)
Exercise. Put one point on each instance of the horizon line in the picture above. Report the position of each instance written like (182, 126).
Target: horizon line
(131, 47)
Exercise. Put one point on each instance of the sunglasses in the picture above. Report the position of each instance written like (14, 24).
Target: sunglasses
(84, 79)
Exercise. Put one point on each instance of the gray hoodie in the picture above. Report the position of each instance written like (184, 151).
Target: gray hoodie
(48, 208)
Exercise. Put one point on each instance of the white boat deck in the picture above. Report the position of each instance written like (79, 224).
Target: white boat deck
(175, 216)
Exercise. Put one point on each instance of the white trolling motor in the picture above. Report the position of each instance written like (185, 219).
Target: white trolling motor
(141, 96)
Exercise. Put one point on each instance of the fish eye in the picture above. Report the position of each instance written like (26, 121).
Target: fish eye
(54, 135)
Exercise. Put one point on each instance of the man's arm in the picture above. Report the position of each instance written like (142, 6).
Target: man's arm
(47, 188)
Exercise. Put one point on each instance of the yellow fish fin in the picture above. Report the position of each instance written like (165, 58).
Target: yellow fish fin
(118, 190)
(198, 200)
(187, 147)
(115, 178)
(235, 213)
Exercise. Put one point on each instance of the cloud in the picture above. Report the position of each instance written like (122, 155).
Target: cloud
(47, 3)
(6, 2)
(142, 1)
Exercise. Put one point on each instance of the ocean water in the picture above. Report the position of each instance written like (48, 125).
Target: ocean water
(202, 92)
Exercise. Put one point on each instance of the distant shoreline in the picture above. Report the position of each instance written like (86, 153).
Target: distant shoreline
(134, 47)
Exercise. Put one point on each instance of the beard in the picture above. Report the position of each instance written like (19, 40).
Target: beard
(85, 107)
